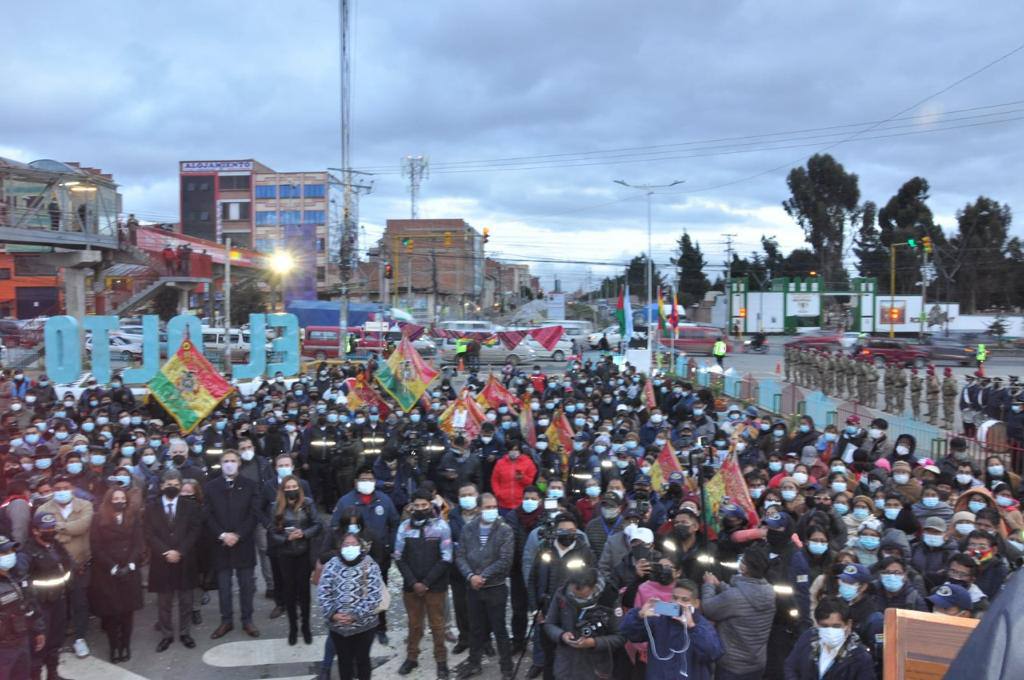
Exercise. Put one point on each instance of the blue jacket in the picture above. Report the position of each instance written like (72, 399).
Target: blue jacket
(379, 514)
(853, 662)
(705, 647)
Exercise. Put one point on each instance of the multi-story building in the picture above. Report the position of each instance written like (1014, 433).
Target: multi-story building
(300, 212)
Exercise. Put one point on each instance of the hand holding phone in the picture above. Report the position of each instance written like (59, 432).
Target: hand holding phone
(671, 609)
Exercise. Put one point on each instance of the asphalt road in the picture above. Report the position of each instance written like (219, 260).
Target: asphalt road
(236, 656)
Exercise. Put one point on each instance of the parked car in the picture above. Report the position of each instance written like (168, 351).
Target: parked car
(120, 347)
(140, 392)
(563, 349)
(611, 332)
(885, 350)
(490, 353)
(695, 340)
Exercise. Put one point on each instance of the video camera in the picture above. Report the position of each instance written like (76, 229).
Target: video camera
(593, 623)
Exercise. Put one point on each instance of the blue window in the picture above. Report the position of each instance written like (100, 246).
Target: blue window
(313, 191)
(266, 245)
(266, 191)
(313, 216)
(290, 191)
(266, 217)
(291, 216)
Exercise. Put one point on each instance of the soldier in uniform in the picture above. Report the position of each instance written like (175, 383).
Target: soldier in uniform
(949, 392)
(839, 362)
(916, 388)
(22, 629)
(862, 380)
(828, 373)
(932, 390)
(850, 366)
(998, 404)
(872, 371)
(887, 383)
(49, 570)
(899, 384)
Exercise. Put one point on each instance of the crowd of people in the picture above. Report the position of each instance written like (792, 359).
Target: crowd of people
(589, 562)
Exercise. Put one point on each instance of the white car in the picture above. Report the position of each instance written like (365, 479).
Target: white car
(140, 392)
(611, 332)
(121, 348)
(562, 350)
(3, 354)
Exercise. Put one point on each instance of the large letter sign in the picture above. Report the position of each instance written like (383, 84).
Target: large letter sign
(63, 351)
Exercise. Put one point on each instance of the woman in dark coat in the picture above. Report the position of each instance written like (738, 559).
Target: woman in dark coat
(115, 591)
(295, 534)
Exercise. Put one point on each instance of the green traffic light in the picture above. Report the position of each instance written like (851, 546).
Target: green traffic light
(912, 242)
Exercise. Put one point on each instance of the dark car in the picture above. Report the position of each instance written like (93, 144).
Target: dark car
(947, 350)
(885, 350)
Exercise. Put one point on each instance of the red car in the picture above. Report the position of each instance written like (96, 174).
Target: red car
(695, 340)
(885, 350)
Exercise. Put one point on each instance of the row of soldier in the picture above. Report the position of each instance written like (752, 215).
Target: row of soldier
(856, 378)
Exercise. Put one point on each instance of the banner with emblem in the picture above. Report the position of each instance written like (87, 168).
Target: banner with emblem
(463, 415)
(405, 375)
(362, 395)
(494, 394)
(189, 387)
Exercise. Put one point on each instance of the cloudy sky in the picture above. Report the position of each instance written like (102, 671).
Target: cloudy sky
(724, 95)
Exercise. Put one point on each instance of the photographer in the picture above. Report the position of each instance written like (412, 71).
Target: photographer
(584, 634)
(683, 645)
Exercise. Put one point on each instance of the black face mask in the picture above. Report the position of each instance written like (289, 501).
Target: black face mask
(664, 577)
(682, 532)
(960, 582)
(119, 506)
(778, 539)
(566, 538)
(292, 494)
(640, 552)
(171, 492)
(421, 516)
(48, 536)
(178, 460)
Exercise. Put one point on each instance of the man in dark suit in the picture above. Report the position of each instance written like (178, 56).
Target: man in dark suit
(172, 532)
(233, 511)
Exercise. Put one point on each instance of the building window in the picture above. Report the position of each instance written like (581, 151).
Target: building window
(320, 245)
(5, 274)
(266, 245)
(313, 191)
(204, 216)
(321, 273)
(234, 182)
(234, 211)
(266, 191)
(266, 217)
(290, 191)
(313, 216)
(291, 216)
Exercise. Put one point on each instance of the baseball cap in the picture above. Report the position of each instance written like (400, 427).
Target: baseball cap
(8, 543)
(689, 507)
(935, 523)
(642, 534)
(611, 498)
(855, 573)
(776, 520)
(950, 595)
(44, 520)
(853, 420)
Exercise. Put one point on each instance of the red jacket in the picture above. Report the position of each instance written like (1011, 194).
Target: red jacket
(510, 477)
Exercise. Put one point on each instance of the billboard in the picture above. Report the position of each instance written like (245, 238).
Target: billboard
(892, 312)
(216, 166)
(803, 304)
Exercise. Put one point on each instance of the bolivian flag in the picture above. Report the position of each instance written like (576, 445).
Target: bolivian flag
(189, 387)
(406, 375)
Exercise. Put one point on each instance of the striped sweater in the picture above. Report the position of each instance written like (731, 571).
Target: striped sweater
(356, 589)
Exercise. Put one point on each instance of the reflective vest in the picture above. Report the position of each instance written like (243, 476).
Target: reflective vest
(461, 345)
(719, 349)
(982, 353)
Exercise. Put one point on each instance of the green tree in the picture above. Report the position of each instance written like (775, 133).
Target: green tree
(799, 264)
(978, 253)
(872, 259)
(691, 281)
(246, 298)
(773, 257)
(907, 216)
(824, 199)
(998, 327)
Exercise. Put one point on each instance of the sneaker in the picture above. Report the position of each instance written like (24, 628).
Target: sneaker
(81, 648)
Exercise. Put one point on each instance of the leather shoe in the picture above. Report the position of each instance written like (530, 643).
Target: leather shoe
(460, 647)
(470, 671)
(164, 644)
(197, 618)
(382, 637)
(222, 630)
(251, 630)
(535, 672)
(188, 641)
(407, 667)
(488, 649)
(276, 612)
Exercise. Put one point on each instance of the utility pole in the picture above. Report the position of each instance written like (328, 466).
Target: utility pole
(728, 282)
(416, 168)
(409, 284)
(649, 190)
(433, 285)
(227, 305)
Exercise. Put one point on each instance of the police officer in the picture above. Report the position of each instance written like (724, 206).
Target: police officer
(949, 392)
(980, 355)
(320, 444)
(22, 629)
(916, 390)
(49, 569)
(932, 390)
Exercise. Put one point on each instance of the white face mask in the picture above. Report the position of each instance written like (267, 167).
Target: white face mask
(875, 433)
(364, 487)
(230, 468)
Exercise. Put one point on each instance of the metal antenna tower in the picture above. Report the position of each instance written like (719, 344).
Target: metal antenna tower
(417, 169)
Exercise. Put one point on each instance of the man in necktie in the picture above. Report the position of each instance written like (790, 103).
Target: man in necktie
(172, 526)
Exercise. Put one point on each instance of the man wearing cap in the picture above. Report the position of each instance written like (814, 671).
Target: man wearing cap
(916, 389)
(49, 568)
(855, 589)
(74, 522)
(951, 600)
(22, 626)
(930, 555)
(949, 394)
(606, 521)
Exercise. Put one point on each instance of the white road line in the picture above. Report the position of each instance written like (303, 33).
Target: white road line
(263, 652)
(91, 668)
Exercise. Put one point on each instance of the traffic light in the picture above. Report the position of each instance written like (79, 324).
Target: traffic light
(407, 242)
(743, 312)
(927, 243)
(447, 239)
(388, 272)
(912, 243)
(487, 234)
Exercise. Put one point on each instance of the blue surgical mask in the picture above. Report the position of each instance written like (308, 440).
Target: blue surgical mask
(775, 466)
(155, 443)
(861, 513)
(62, 496)
(805, 428)
(530, 504)
(934, 540)
(930, 501)
(831, 436)
(892, 513)
(148, 459)
(756, 491)
(88, 427)
(698, 412)
(97, 459)
(593, 491)
(578, 446)
(32, 438)
(74, 468)
(778, 434)
(869, 542)
(788, 494)
(283, 472)
(817, 547)
(880, 503)
(415, 417)
(848, 591)
(996, 470)
(556, 493)
(490, 515)
(892, 582)
(841, 508)
(333, 418)
(60, 436)
(127, 450)
(976, 506)
(506, 424)
(467, 502)
(838, 487)
(43, 463)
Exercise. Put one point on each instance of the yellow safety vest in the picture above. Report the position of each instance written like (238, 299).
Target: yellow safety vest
(719, 349)
(981, 354)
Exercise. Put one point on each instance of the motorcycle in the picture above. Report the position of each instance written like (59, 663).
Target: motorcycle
(757, 344)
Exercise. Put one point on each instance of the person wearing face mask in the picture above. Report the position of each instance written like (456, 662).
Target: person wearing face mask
(867, 541)
(901, 481)
(16, 510)
(74, 522)
(830, 649)
(522, 520)
(789, 572)
(585, 484)
(931, 505)
(878, 444)
(487, 448)
(379, 515)
(180, 460)
(321, 444)
(851, 438)
(233, 513)
(270, 568)
(458, 466)
(804, 435)
(423, 554)
(484, 557)
(48, 567)
(20, 614)
(903, 450)
(295, 527)
(115, 593)
(930, 554)
(467, 509)
(512, 473)
(172, 529)
(897, 591)
(607, 521)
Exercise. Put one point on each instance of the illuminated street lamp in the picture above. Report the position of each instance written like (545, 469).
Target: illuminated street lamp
(281, 263)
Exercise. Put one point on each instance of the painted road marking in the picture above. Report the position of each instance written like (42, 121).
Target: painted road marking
(264, 653)
(91, 668)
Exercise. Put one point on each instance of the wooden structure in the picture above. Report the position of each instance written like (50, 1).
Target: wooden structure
(920, 645)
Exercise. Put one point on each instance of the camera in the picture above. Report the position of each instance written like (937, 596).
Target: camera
(594, 623)
(661, 573)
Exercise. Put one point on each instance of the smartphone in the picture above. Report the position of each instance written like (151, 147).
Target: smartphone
(702, 442)
(551, 504)
(672, 609)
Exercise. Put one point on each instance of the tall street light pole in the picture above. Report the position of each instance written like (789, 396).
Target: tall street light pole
(649, 190)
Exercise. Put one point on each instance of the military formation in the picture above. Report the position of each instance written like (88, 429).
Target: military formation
(982, 398)
(875, 383)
